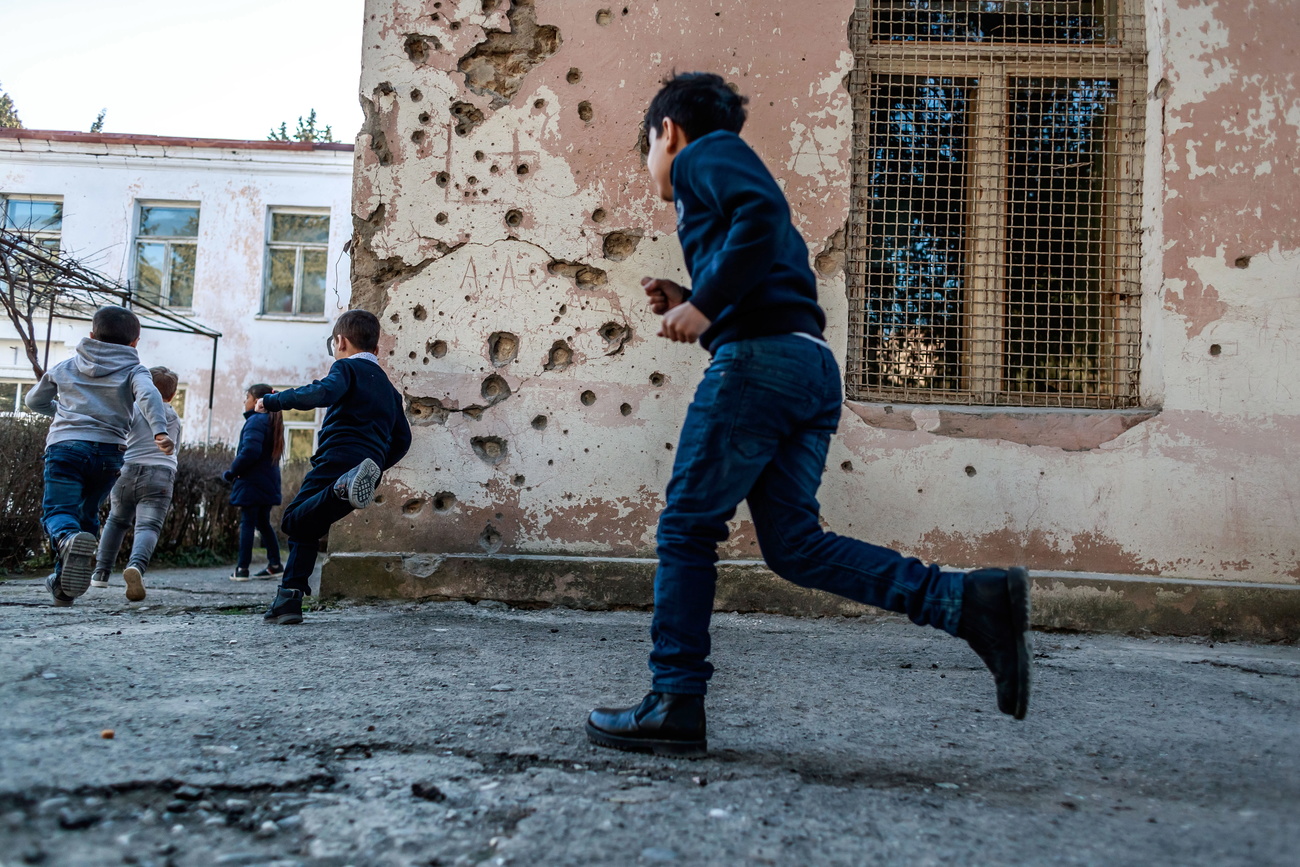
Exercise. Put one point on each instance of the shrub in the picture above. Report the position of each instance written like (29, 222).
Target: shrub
(22, 485)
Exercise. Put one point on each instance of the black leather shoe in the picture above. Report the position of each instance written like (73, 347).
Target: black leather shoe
(664, 723)
(995, 623)
(286, 608)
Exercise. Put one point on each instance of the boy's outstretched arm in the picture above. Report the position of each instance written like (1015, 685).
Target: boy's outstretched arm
(322, 392)
(41, 398)
(150, 403)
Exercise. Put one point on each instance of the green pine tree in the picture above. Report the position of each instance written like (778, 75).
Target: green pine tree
(306, 131)
(9, 114)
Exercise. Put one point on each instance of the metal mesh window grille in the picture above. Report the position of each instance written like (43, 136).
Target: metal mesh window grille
(995, 231)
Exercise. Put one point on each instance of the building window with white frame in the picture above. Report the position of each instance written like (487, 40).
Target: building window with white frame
(300, 427)
(296, 259)
(39, 218)
(166, 248)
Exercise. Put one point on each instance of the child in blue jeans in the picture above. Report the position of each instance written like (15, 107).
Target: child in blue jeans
(759, 429)
(92, 397)
(365, 432)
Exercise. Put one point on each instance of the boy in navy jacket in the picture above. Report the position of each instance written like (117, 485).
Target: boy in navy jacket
(759, 429)
(365, 432)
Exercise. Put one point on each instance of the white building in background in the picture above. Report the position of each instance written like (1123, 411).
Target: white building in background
(246, 237)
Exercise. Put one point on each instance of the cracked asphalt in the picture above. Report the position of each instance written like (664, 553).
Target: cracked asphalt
(448, 733)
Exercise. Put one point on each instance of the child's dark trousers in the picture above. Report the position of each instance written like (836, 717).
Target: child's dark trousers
(308, 518)
(78, 476)
(759, 430)
(254, 520)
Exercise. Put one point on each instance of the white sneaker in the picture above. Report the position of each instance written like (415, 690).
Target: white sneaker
(134, 583)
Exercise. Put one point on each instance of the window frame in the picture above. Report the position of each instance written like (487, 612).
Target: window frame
(290, 425)
(19, 408)
(298, 247)
(997, 66)
(41, 236)
(168, 241)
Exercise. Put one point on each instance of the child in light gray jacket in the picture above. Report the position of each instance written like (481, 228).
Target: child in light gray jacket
(92, 397)
(142, 494)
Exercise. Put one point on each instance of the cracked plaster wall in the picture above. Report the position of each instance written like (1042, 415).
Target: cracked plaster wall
(503, 223)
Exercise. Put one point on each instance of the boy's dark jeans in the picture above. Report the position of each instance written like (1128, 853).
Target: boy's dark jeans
(254, 520)
(141, 496)
(758, 430)
(78, 476)
(309, 516)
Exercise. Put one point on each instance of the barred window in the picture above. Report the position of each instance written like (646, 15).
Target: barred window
(995, 228)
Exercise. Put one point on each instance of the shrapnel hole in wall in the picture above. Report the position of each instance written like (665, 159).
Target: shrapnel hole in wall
(574, 75)
(560, 356)
(413, 506)
(539, 422)
(418, 47)
(426, 410)
(615, 335)
(617, 246)
(468, 117)
(436, 348)
(625, 409)
(490, 539)
(443, 501)
(603, 17)
(585, 111)
(585, 276)
(503, 348)
(496, 66)
(491, 449)
(495, 389)
(588, 397)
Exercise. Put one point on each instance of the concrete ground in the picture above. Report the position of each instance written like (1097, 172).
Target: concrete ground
(449, 733)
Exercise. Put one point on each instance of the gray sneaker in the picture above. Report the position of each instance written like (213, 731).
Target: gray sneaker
(77, 554)
(357, 485)
(99, 579)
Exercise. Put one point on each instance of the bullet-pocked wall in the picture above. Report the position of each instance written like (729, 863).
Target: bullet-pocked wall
(503, 222)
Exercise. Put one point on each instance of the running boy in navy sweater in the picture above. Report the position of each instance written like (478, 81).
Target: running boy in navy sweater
(758, 430)
(365, 432)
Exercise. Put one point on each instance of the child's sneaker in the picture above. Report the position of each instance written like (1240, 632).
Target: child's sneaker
(357, 485)
(270, 571)
(77, 554)
(240, 575)
(286, 608)
(99, 579)
(52, 585)
(134, 577)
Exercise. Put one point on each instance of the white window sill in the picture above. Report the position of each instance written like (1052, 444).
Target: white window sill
(293, 317)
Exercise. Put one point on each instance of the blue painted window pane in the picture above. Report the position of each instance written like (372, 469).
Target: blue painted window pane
(916, 249)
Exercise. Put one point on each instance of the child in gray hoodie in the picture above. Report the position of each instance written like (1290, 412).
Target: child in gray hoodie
(92, 397)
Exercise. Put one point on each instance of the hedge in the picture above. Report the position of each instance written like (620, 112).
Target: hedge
(201, 527)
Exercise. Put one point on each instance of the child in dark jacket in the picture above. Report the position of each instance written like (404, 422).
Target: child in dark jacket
(759, 429)
(365, 432)
(254, 475)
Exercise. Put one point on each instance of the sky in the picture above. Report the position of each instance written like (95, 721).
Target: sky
(196, 68)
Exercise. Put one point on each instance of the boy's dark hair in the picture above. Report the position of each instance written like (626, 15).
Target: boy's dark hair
(165, 381)
(360, 327)
(115, 325)
(698, 102)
